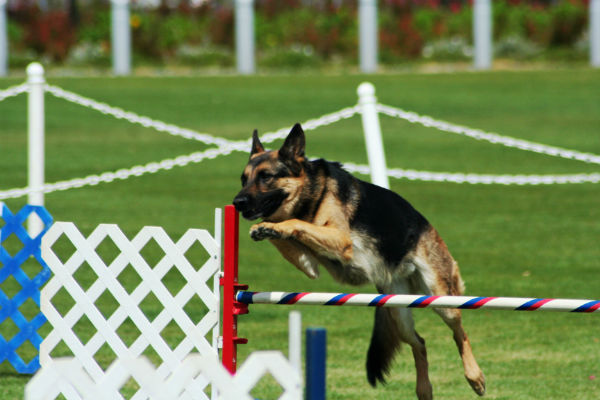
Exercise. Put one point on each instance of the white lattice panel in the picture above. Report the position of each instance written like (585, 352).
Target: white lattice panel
(199, 283)
(258, 365)
(67, 377)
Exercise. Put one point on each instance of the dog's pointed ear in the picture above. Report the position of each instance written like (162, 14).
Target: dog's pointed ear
(257, 146)
(294, 144)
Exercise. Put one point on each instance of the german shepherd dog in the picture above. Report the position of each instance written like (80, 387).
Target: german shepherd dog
(314, 212)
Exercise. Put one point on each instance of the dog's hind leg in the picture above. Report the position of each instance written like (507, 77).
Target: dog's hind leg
(438, 274)
(452, 318)
(393, 326)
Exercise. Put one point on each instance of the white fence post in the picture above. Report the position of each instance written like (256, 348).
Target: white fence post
(482, 34)
(35, 118)
(367, 28)
(295, 341)
(3, 39)
(244, 36)
(121, 37)
(217, 339)
(372, 130)
(595, 33)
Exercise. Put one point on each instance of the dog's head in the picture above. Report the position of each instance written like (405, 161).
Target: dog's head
(272, 179)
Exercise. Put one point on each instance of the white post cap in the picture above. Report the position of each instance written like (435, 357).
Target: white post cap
(366, 89)
(366, 92)
(35, 73)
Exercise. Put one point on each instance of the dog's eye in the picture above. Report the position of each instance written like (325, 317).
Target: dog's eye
(264, 176)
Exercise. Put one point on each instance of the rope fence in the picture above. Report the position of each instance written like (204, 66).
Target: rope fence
(429, 176)
(487, 136)
(226, 147)
(13, 91)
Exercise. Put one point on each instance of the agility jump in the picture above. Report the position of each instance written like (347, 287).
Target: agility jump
(236, 298)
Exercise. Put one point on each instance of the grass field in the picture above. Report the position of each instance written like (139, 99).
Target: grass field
(530, 241)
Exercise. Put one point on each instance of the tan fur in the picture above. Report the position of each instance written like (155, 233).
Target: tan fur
(299, 256)
(433, 251)
(327, 241)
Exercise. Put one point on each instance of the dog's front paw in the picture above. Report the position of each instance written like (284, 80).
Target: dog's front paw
(264, 231)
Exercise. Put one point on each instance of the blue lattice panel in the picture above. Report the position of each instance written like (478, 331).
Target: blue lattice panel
(11, 266)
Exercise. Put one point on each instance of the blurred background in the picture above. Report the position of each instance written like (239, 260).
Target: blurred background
(294, 34)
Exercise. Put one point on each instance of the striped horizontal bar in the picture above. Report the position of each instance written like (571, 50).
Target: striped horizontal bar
(419, 301)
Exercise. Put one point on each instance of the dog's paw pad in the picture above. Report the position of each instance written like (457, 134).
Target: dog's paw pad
(262, 232)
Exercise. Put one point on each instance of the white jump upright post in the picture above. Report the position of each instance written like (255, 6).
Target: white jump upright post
(372, 129)
(35, 121)
(3, 39)
(121, 37)
(295, 341)
(595, 33)
(482, 34)
(244, 36)
(367, 29)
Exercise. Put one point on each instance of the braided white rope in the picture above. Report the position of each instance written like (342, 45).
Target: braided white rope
(133, 117)
(489, 137)
(121, 174)
(174, 130)
(13, 91)
(477, 178)
(225, 147)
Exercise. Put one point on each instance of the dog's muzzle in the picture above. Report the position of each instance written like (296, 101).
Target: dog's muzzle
(262, 205)
(243, 204)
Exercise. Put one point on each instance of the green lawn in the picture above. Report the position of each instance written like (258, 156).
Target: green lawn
(530, 241)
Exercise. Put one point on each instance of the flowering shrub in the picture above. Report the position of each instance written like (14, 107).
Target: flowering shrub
(296, 32)
(49, 34)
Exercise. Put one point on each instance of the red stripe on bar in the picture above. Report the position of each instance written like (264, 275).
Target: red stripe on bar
(481, 302)
(344, 299)
(296, 298)
(593, 308)
(538, 304)
(384, 299)
(589, 306)
(426, 301)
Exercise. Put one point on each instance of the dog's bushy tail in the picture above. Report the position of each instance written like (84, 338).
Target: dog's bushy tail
(385, 343)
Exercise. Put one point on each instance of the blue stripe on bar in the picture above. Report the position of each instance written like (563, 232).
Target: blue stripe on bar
(287, 298)
(587, 306)
(471, 302)
(418, 301)
(526, 306)
(333, 301)
(245, 297)
(376, 300)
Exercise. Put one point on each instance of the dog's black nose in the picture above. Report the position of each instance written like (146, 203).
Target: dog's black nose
(241, 202)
